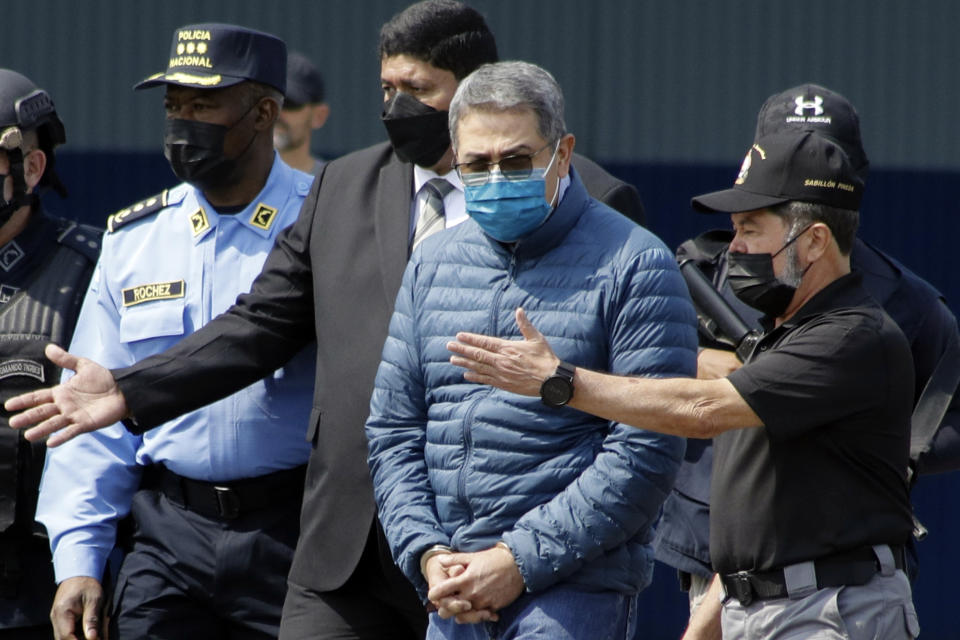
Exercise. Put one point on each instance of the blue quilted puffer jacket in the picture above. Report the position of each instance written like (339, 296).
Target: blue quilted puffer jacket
(467, 465)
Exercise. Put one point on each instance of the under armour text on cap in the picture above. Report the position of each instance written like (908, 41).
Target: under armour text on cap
(212, 55)
(304, 82)
(793, 165)
(811, 107)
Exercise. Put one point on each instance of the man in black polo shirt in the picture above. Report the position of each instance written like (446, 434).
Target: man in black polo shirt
(683, 532)
(810, 504)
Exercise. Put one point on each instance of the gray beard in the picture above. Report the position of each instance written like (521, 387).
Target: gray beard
(792, 274)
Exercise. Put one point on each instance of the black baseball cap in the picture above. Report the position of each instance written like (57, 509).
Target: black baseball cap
(213, 55)
(812, 107)
(792, 165)
(304, 82)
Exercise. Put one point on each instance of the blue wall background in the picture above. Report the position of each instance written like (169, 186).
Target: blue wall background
(663, 93)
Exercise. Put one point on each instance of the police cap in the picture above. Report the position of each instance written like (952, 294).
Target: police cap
(212, 55)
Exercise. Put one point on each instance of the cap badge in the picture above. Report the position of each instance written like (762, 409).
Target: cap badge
(191, 47)
(748, 162)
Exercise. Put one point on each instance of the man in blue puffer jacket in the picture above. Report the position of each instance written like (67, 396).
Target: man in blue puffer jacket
(521, 514)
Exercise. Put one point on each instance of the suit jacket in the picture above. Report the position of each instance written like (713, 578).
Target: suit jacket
(613, 192)
(334, 276)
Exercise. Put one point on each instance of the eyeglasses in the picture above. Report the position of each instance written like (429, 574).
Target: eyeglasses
(516, 167)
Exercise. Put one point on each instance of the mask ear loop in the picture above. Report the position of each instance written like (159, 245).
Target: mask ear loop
(792, 240)
(252, 138)
(556, 193)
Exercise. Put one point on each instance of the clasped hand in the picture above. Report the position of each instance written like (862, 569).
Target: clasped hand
(472, 587)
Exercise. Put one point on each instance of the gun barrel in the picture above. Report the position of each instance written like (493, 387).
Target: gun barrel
(711, 304)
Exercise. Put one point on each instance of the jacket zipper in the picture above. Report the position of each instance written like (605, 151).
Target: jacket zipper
(468, 417)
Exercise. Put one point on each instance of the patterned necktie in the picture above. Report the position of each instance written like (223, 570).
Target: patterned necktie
(430, 219)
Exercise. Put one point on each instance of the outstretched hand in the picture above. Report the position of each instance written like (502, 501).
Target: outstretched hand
(519, 366)
(89, 400)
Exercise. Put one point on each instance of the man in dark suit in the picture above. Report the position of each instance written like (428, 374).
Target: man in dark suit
(333, 276)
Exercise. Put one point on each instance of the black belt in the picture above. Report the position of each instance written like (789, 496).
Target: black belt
(850, 568)
(230, 500)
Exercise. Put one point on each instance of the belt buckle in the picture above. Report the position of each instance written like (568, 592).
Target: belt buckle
(228, 504)
(739, 584)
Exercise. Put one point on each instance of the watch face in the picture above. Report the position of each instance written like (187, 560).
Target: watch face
(556, 391)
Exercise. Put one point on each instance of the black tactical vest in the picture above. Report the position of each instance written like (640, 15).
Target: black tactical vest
(44, 310)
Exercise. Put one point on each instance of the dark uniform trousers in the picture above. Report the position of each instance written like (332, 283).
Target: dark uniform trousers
(191, 575)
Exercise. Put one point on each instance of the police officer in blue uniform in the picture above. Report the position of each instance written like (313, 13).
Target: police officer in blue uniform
(214, 495)
(45, 264)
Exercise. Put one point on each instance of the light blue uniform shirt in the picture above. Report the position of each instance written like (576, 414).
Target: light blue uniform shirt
(159, 278)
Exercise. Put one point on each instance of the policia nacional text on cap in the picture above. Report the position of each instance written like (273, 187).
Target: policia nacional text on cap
(213, 55)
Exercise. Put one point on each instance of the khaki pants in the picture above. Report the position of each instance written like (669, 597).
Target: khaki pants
(882, 608)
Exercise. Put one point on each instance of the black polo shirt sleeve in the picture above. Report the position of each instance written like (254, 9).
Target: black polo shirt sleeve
(817, 374)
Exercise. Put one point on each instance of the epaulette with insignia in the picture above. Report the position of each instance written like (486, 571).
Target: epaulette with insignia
(137, 211)
(82, 238)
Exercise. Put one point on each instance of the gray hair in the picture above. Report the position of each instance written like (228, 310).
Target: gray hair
(842, 223)
(511, 86)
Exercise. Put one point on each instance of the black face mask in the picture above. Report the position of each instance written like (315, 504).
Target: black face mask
(195, 151)
(20, 196)
(418, 132)
(753, 281)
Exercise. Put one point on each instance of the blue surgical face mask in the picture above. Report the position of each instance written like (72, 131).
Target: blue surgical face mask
(510, 210)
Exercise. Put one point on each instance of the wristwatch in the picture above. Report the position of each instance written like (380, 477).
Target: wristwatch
(557, 390)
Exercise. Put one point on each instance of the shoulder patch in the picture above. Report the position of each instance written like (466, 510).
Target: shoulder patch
(82, 238)
(140, 210)
(22, 367)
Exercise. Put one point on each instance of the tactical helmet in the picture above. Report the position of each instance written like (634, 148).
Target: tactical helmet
(26, 107)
